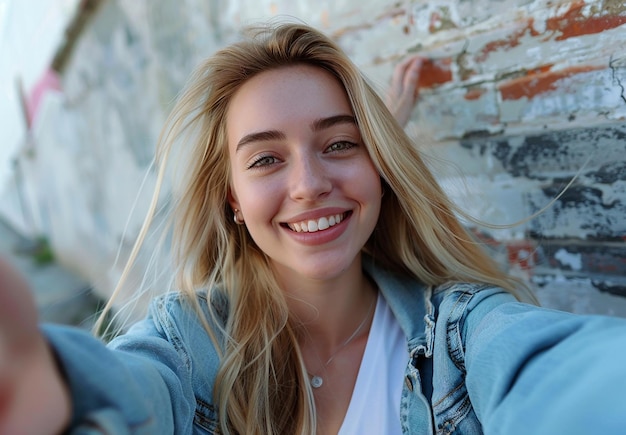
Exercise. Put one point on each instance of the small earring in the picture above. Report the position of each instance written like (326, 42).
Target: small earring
(236, 218)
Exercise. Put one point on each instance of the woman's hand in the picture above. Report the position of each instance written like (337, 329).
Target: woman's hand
(33, 395)
(403, 92)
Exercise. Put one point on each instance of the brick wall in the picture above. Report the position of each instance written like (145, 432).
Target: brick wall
(524, 97)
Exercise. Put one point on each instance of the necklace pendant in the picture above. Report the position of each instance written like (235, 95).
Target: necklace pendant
(316, 382)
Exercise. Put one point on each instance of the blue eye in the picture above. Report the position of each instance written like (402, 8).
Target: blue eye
(341, 146)
(263, 161)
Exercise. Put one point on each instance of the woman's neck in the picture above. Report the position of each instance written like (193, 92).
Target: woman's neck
(330, 310)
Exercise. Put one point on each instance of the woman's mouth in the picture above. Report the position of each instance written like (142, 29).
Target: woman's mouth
(314, 225)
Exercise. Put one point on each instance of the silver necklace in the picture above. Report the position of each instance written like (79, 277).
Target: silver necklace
(316, 380)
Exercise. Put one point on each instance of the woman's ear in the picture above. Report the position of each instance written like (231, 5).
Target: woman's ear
(234, 204)
(232, 199)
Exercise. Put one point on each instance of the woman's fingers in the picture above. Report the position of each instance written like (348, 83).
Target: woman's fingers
(411, 77)
(33, 395)
(403, 92)
(18, 313)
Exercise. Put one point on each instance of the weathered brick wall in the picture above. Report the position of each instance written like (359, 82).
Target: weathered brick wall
(519, 95)
(522, 97)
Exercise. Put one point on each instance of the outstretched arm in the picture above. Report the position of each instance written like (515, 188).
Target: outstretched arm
(534, 370)
(403, 92)
(33, 396)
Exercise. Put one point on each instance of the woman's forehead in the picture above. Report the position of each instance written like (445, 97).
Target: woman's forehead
(284, 97)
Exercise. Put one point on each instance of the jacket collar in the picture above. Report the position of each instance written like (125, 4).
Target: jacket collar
(408, 299)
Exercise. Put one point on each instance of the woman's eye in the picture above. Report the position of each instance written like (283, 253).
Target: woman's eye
(263, 161)
(341, 146)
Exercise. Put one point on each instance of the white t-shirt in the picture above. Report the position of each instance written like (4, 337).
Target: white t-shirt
(375, 404)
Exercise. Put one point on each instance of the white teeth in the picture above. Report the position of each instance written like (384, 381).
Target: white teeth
(322, 224)
(312, 226)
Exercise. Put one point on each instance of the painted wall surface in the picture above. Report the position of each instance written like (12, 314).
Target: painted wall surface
(521, 96)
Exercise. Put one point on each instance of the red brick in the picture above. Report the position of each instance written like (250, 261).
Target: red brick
(574, 23)
(537, 82)
(474, 94)
(522, 254)
(509, 42)
(435, 72)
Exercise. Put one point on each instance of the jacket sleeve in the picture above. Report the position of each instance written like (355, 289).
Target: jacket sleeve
(537, 371)
(138, 384)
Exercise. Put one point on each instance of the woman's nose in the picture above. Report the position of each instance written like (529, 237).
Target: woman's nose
(309, 179)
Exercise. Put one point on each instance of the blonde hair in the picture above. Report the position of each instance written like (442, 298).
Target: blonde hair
(262, 384)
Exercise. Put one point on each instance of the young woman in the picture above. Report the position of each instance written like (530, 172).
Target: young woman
(323, 283)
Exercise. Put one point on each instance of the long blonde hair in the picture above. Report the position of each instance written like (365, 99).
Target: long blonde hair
(262, 383)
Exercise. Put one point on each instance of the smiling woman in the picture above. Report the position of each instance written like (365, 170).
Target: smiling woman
(323, 283)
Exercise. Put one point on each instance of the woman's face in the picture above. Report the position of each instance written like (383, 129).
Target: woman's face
(301, 176)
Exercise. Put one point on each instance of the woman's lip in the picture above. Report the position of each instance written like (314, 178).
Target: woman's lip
(320, 237)
(331, 221)
(316, 214)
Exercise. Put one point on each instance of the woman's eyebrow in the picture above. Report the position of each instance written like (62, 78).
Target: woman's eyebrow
(321, 124)
(260, 136)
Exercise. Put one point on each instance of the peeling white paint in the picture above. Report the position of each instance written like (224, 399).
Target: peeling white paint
(573, 261)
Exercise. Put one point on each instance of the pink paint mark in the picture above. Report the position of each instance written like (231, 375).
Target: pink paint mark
(49, 81)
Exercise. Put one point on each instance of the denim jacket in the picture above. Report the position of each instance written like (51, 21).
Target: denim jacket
(480, 362)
